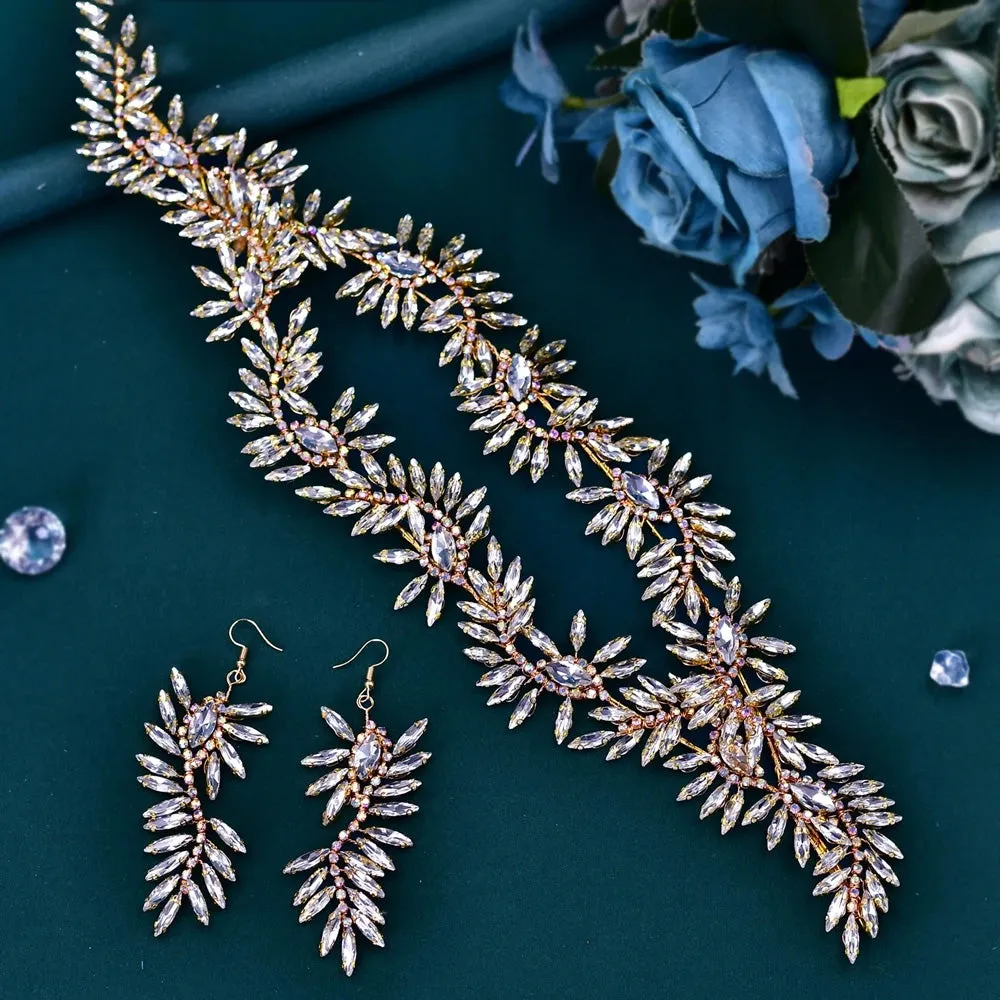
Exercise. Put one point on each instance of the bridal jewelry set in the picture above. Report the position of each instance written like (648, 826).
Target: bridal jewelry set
(728, 720)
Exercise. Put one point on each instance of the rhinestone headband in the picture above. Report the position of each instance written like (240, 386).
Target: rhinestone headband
(730, 723)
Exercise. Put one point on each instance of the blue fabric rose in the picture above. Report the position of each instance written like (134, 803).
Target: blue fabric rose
(810, 308)
(725, 148)
(535, 88)
(734, 320)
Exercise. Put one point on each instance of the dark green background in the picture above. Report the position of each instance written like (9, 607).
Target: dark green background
(867, 513)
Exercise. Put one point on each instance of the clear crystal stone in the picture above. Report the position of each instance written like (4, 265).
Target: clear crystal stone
(32, 540)
(949, 669)
(726, 639)
(519, 377)
(167, 152)
(640, 490)
(814, 797)
(202, 725)
(402, 264)
(366, 756)
(567, 673)
(443, 548)
(317, 440)
(251, 287)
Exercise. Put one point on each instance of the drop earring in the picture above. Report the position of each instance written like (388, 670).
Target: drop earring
(366, 775)
(198, 736)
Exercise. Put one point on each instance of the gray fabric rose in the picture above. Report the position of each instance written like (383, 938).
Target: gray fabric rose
(958, 358)
(937, 118)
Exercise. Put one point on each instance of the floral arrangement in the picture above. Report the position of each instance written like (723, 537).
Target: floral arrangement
(838, 159)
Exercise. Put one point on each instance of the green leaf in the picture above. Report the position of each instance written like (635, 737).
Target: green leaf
(854, 94)
(607, 164)
(877, 264)
(830, 31)
(918, 25)
(620, 57)
(677, 19)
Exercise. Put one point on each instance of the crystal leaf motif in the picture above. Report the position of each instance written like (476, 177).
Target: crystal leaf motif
(348, 872)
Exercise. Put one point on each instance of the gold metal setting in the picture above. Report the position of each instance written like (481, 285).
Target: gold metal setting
(729, 724)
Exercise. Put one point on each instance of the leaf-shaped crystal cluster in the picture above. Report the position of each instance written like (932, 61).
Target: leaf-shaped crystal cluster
(730, 721)
(201, 736)
(368, 776)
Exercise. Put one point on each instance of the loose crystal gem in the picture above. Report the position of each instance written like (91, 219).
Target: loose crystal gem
(641, 490)
(813, 797)
(251, 288)
(366, 755)
(402, 264)
(568, 673)
(32, 540)
(726, 639)
(519, 377)
(443, 548)
(316, 439)
(167, 152)
(202, 725)
(949, 669)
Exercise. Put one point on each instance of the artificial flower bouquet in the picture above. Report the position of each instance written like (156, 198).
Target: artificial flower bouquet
(836, 159)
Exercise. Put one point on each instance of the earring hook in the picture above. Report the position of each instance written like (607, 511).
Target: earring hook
(238, 675)
(365, 701)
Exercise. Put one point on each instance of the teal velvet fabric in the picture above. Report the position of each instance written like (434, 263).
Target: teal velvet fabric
(863, 510)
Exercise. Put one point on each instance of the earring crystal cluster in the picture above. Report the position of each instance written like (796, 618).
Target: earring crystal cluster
(368, 776)
(196, 735)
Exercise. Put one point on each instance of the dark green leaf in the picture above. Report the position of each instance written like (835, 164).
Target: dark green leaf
(607, 164)
(620, 57)
(830, 31)
(877, 264)
(676, 19)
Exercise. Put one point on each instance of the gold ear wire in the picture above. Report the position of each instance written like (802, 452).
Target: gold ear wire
(365, 701)
(238, 674)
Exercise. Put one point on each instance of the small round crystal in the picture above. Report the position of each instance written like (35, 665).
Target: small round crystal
(32, 540)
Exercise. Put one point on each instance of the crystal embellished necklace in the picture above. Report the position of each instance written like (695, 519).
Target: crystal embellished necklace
(730, 723)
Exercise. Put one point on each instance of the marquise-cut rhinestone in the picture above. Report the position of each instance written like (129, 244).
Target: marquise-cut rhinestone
(727, 639)
(519, 377)
(366, 756)
(640, 490)
(814, 797)
(443, 548)
(568, 673)
(167, 152)
(202, 725)
(317, 440)
(402, 264)
(250, 289)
